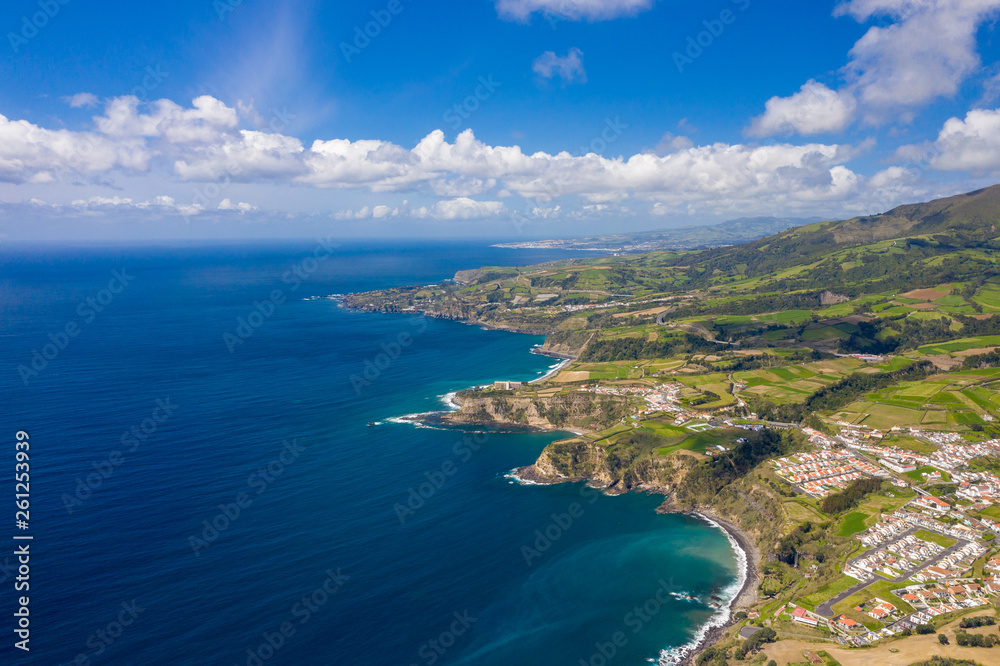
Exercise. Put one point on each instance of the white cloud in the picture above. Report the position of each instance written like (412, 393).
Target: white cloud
(924, 50)
(202, 144)
(202, 123)
(98, 204)
(241, 206)
(462, 208)
(972, 144)
(574, 10)
(82, 99)
(815, 109)
(925, 54)
(569, 67)
(29, 153)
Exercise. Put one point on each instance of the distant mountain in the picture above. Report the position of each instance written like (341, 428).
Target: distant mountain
(733, 232)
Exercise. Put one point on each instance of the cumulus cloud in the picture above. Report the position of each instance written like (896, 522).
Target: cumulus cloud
(161, 204)
(923, 51)
(569, 67)
(240, 206)
(203, 143)
(969, 144)
(462, 208)
(815, 109)
(83, 99)
(573, 10)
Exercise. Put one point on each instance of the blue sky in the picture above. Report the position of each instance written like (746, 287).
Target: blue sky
(498, 118)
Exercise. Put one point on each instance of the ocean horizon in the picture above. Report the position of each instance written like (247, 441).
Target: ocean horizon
(224, 474)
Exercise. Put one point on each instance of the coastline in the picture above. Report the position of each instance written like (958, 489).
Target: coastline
(745, 598)
(747, 554)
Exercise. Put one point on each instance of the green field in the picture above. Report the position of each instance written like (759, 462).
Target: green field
(852, 524)
(939, 539)
(917, 474)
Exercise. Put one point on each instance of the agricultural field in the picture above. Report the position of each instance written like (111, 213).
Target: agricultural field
(954, 401)
(795, 383)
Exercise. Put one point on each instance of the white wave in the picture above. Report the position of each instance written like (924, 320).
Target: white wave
(449, 401)
(675, 655)
(514, 478)
(414, 421)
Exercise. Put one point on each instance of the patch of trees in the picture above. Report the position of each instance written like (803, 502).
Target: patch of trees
(976, 640)
(706, 480)
(938, 660)
(924, 629)
(866, 341)
(765, 635)
(850, 496)
(635, 348)
(981, 621)
(790, 545)
(977, 361)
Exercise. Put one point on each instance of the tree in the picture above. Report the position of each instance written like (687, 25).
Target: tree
(942, 639)
(925, 629)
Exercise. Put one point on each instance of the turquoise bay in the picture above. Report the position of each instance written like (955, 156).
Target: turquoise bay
(368, 544)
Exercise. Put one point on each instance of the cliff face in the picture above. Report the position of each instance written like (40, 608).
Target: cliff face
(582, 410)
(580, 459)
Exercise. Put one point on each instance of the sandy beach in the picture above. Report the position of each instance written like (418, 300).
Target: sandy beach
(747, 595)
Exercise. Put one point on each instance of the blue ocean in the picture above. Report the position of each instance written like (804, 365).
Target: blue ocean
(220, 474)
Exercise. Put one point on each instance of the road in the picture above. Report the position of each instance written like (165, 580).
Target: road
(826, 609)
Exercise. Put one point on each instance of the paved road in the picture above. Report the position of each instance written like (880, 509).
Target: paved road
(826, 609)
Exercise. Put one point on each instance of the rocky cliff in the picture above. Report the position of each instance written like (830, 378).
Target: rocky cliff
(571, 410)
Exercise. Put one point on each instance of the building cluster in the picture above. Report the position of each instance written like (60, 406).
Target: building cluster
(821, 472)
(663, 398)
